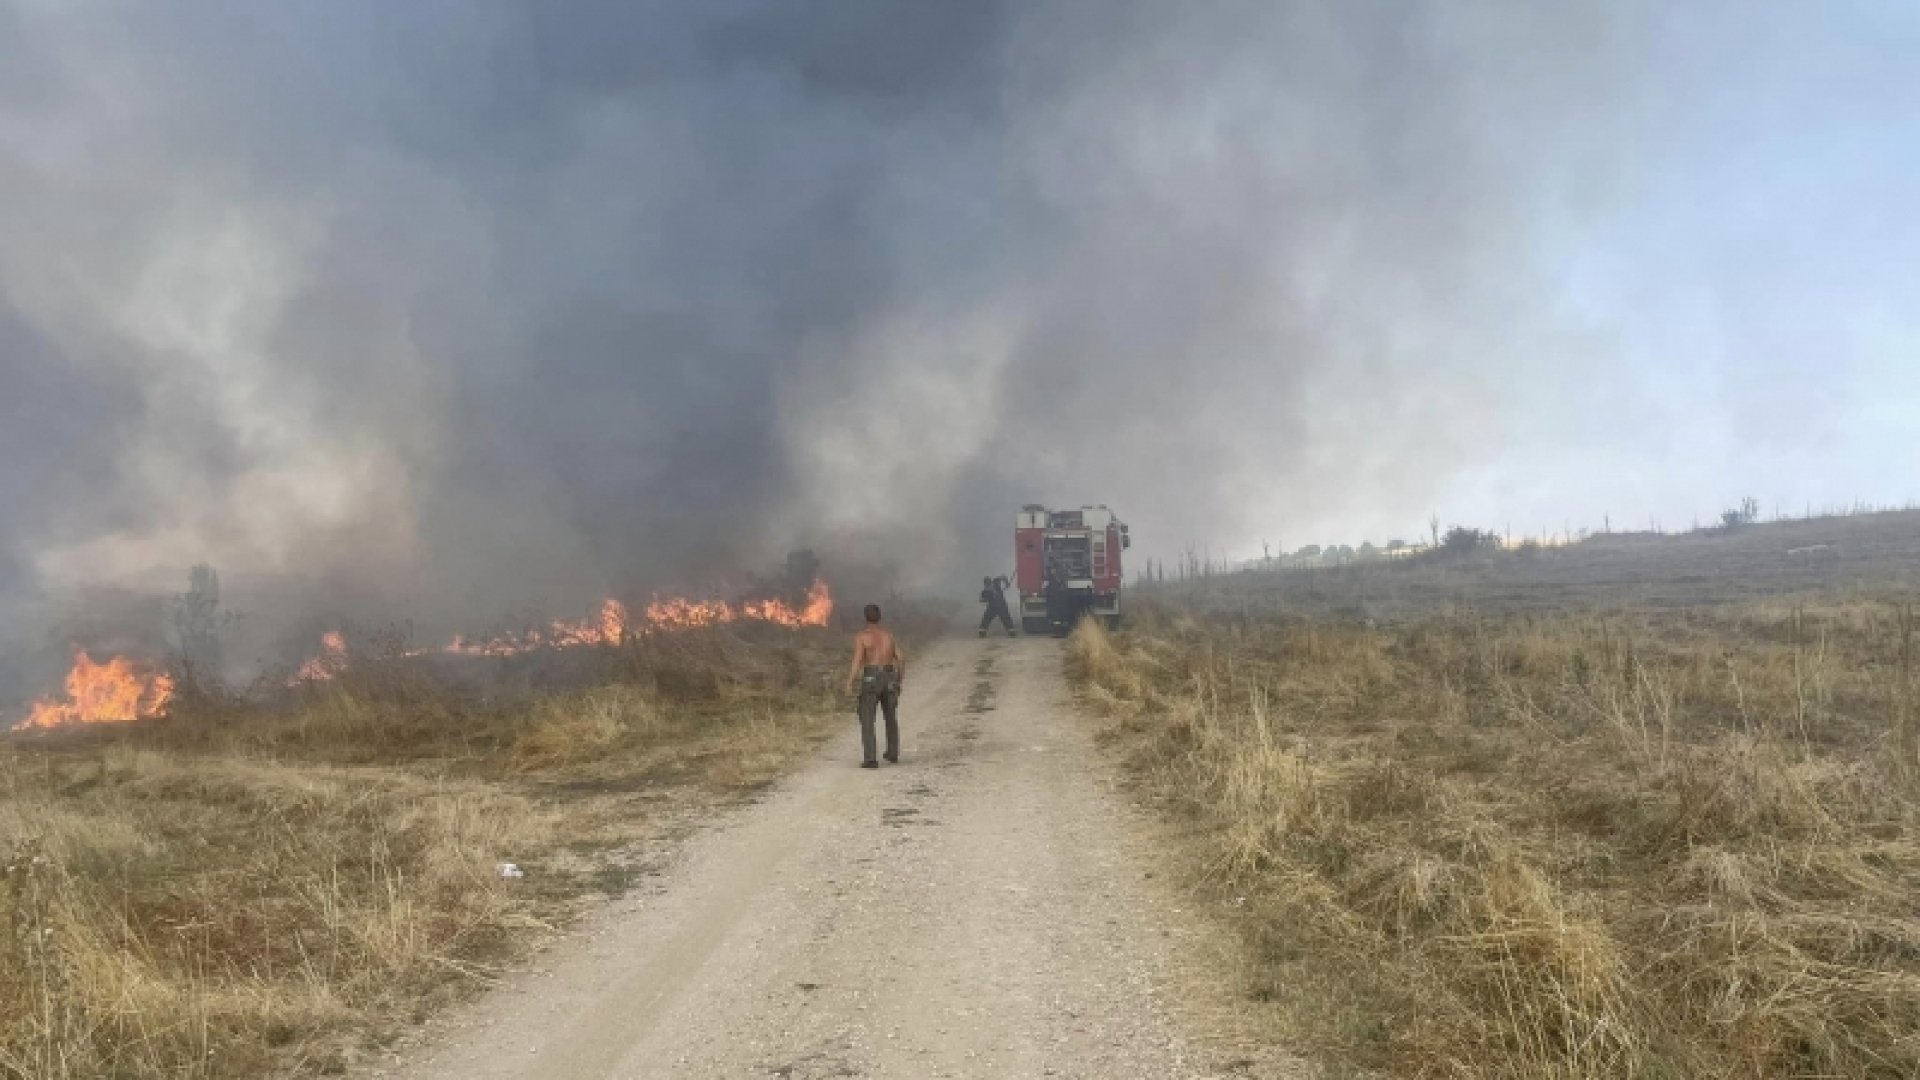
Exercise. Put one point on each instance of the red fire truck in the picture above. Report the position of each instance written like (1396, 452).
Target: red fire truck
(1068, 566)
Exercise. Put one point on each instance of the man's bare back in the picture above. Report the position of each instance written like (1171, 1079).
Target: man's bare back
(882, 667)
(875, 647)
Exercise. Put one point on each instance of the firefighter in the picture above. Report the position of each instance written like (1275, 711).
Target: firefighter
(880, 669)
(1063, 608)
(993, 593)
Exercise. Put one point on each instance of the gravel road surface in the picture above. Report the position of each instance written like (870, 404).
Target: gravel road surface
(981, 909)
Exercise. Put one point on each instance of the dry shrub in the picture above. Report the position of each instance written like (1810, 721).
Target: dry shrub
(1664, 846)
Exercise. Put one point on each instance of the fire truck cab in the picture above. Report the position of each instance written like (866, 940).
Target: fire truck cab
(1068, 566)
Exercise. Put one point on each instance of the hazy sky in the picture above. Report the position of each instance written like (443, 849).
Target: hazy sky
(474, 306)
(1750, 286)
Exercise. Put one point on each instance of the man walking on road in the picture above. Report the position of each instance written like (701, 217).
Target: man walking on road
(881, 669)
(993, 593)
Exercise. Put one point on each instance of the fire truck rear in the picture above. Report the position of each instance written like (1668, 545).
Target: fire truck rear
(1068, 566)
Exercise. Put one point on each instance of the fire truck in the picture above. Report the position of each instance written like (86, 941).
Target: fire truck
(1068, 566)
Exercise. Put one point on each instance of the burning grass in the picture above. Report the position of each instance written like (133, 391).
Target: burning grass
(240, 889)
(1627, 845)
(114, 692)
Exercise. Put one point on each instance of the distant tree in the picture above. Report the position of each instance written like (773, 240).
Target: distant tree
(1346, 552)
(196, 623)
(1461, 540)
(1746, 513)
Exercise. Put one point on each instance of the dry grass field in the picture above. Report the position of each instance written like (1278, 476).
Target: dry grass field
(1874, 552)
(276, 885)
(1643, 807)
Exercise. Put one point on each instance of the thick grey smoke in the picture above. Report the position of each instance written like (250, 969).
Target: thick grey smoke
(461, 308)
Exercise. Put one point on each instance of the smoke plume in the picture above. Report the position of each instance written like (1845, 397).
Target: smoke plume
(455, 309)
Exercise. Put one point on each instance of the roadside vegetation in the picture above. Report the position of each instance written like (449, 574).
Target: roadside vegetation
(281, 884)
(1474, 840)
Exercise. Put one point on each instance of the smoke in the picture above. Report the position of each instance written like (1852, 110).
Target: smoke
(455, 309)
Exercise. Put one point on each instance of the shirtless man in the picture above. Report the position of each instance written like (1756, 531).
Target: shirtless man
(880, 668)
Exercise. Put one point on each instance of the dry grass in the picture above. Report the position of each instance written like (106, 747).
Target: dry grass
(569, 729)
(1655, 844)
(253, 888)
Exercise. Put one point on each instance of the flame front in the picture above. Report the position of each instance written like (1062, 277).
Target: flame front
(116, 692)
(607, 628)
(611, 626)
(815, 612)
(678, 613)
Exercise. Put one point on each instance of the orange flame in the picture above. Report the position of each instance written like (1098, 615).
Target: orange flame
(115, 692)
(817, 610)
(608, 628)
(678, 613)
(330, 661)
(612, 626)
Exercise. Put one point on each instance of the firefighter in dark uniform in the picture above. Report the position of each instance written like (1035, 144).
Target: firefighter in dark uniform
(993, 593)
(1061, 612)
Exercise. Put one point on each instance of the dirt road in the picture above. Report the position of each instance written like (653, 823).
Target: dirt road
(977, 911)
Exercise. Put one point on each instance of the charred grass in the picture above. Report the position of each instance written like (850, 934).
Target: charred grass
(280, 886)
(1654, 844)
